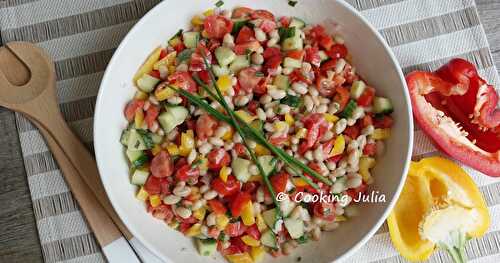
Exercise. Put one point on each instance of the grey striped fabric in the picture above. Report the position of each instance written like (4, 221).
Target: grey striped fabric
(81, 36)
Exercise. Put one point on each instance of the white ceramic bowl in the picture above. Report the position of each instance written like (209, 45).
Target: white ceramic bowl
(373, 59)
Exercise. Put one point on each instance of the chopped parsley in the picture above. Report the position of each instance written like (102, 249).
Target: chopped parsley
(238, 25)
(146, 137)
(286, 32)
(347, 112)
(184, 55)
(292, 101)
(139, 162)
(303, 239)
(292, 3)
(259, 74)
(219, 3)
(196, 163)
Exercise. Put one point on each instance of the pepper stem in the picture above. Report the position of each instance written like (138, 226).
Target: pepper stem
(455, 246)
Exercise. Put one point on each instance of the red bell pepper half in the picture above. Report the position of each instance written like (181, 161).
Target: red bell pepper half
(457, 109)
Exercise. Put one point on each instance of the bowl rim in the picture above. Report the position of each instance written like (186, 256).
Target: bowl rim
(388, 208)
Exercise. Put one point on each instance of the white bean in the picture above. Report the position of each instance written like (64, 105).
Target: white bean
(183, 212)
(265, 99)
(209, 195)
(314, 92)
(354, 182)
(228, 40)
(318, 154)
(260, 35)
(257, 59)
(339, 67)
(192, 156)
(216, 141)
(309, 155)
(340, 126)
(316, 234)
(276, 94)
(171, 199)
(198, 204)
(204, 188)
(299, 87)
(182, 191)
(330, 226)
(273, 41)
(333, 108)
(211, 219)
(308, 103)
(337, 187)
(323, 108)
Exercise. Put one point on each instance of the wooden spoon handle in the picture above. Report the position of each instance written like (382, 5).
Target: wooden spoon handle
(107, 234)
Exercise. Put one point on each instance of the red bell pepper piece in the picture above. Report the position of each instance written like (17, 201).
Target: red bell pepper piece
(457, 109)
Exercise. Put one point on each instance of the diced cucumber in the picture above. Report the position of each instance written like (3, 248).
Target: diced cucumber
(206, 247)
(141, 161)
(124, 137)
(349, 109)
(191, 39)
(224, 56)
(133, 155)
(239, 63)
(240, 168)
(286, 206)
(292, 63)
(295, 227)
(282, 82)
(172, 117)
(157, 139)
(357, 89)
(268, 163)
(323, 56)
(146, 138)
(292, 43)
(139, 177)
(175, 40)
(382, 105)
(270, 218)
(297, 22)
(135, 141)
(184, 55)
(268, 239)
(220, 71)
(147, 83)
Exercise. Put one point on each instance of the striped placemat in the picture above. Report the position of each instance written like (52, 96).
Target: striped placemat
(81, 36)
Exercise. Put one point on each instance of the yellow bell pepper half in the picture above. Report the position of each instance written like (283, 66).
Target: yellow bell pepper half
(435, 192)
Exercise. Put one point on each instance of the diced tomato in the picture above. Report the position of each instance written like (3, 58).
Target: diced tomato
(248, 47)
(152, 185)
(370, 149)
(231, 250)
(184, 226)
(366, 97)
(278, 181)
(285, 21)
(261, 88)
(325, 86)
(342, 97)
(205, 126)
(213, 232)
(184, 81)
(298, 76)
(366, 121)
(151, 115)
(217, 26)
(163, 53)
(268, 26)
(217, 206)
(235, 229)
(383, 122)
(335, 158)
(197, 62)
(162, 165)
(163, 212)
(329, 65)
(337, 51)
(252, 106)
(262, 14)
(326, 42)
(186, 172)
(272, 63)
(250, 187)
(179, 47)
(236, 241)
(327, 147)
(155, 74)
(352, 131)
(316, 126)
(242, 12)
(248, 79)
(296, 54)
(317, 32)
(271, 52)
(239, 202)
(218, 158)
(132, 107)
(245, 35)
(228, 188)
(278, 139)
(240, 149)
(204, 76)
(324, 211)
(312, 56)
(253, 231)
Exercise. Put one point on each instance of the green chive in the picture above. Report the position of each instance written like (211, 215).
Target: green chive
(219, 3)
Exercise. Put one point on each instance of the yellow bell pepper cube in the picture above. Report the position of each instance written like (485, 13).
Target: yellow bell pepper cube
(330, 117)
(197, 20)
(257, 253)
(221, 221)
(171, 69)
(156, 149)
(245, 116)
(168, 60)
(365, 164)
(187, 143)
(289, 119)
(247, 215)
(301, 133)
(224, 173)
(228, 135)
(148, 64)
(340, 218)
(280, 126)
(155, 200)
(162, 94)
(440, 203)
(261, 150)
(194, 230)
(261, 224)
(209, 12)
(142, 194)
(140, 95)
(299, 182)
(200, 213)
(239, 258)
(173, 149)
(338, 145)
(250, 241)
(224, 83)
(381, 134)
(139, 118)
(256, 178)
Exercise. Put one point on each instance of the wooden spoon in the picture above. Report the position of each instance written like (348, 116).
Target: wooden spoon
(33, 94)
